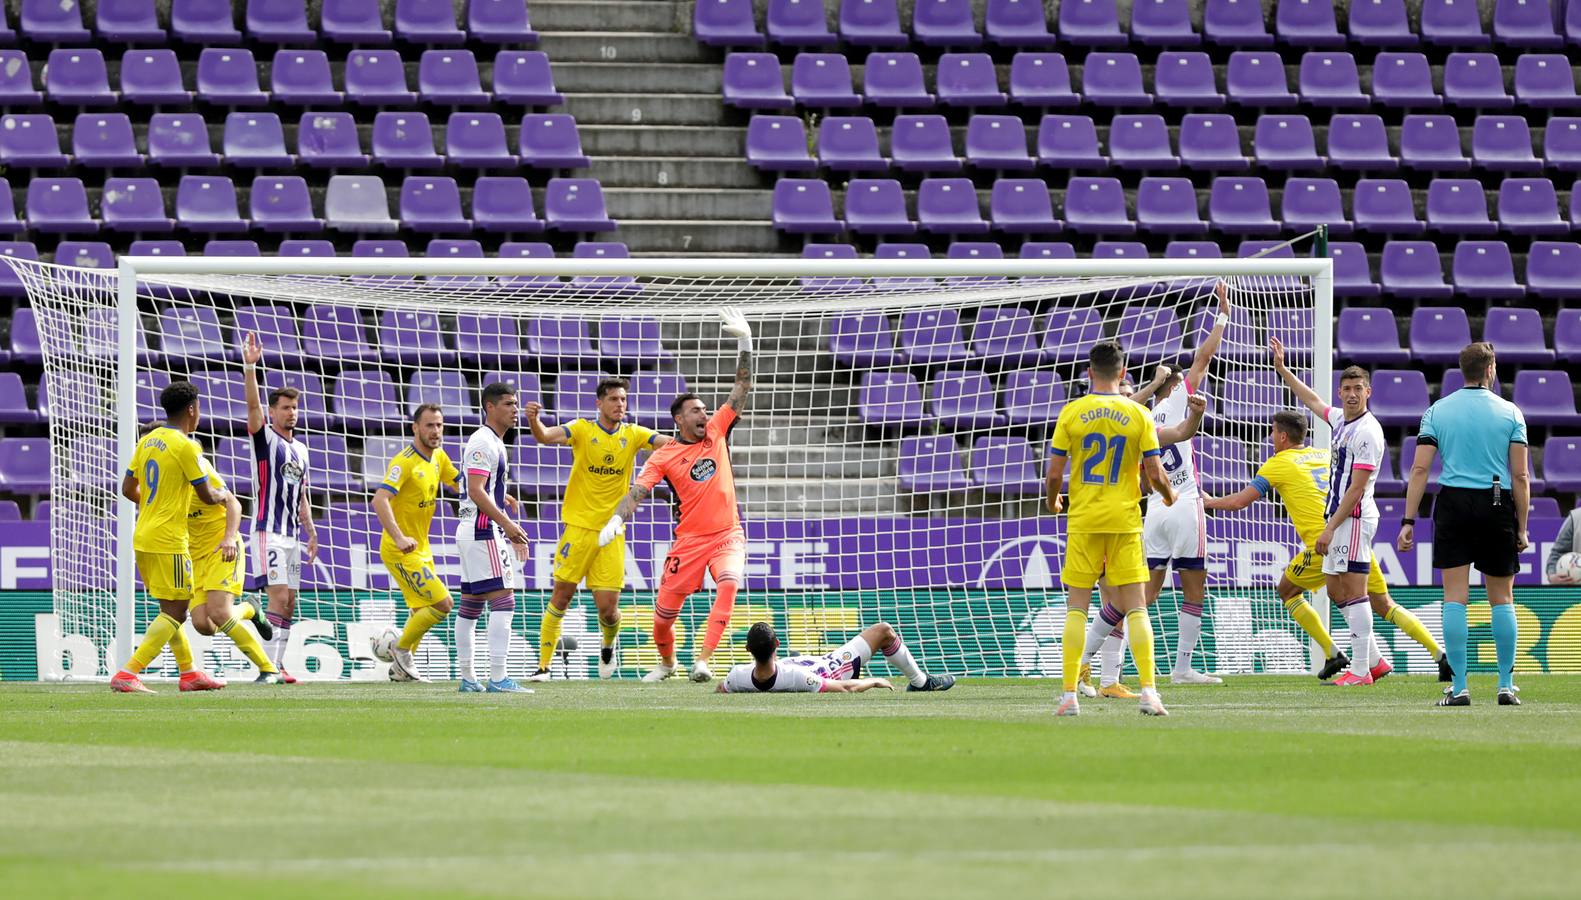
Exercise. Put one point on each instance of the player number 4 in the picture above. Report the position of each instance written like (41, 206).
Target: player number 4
(1098, 448)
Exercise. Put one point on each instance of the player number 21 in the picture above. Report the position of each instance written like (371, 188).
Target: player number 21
(1098, 448)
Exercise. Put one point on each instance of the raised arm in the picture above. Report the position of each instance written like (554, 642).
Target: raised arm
(252, 351)
(1196, 406)
(1163, 376)
(560, 434)
(1210, 344)
(734, 324)
(1305, 394)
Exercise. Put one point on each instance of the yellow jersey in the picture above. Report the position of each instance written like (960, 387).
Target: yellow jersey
(206, 521)
(415, 481)
(1105, 436)
(166, 465)
(1300, 476)
(601, 464)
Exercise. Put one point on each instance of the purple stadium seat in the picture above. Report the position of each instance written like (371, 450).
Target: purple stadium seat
(1330, 80)
(1163, 23)
(726, 23)
(1069, 142)
(1567, 328)
(895, 80)
(1090, 23)
(430, 22)
(1398, 396)
(1412, 270)
(1550, 271)
(1517, 332)
(409, 337)
(1150, 334)
(357, 203)
(1113, 79)
(1256, 79)
(949, 206)
(366, 398)
(150, 77)
(78, 78)
(900, 251)
(1503, 144)
(1404, 80)
(1006, 337)
(871, 23)
(256, 141)
(59, 206)
(497, 342)
(229, 78)
(963, 400)
(804, 206)
(1475, 81)
(967, 79)
(1380, 23)
(1388, 480)
(134, 205)
(1032, 397)
(306, 247)
(204, 22)
(1384, 206)
(1562, 463)
(10, 224)
(816, 284)
(799, 23)
(1210, 142)
(1307, 23)
(1438, 333)
(1186, 79)
(1368, 334)
(1310, 202)
(997, 143)
(1286, 143)
(1562, 144)
(454, 249)
(329, 140)
(52, 22)
(1544, 81)
(1141, 142)
(779, 144)
(193, 332)
(523, 78)
(650, 396)
(975, 250)
(448, 389)
(863, 341)
(16, 80)
(877, 206)
(450, 78)
(335, 336)
(1005, 465)
(932, 337)
(1452, 23)
(753, 81)
(275, 327)
(1022, 206)
(281, 203)
(11, 283)
(1530, 206)
(1240, 206)
(207, 204)
(1358, 142)
(551, 141)
(231, 248)
(432, 205)
(565, 342)
(302, 78)
(1168, 206)
(1119, 250)
(1235, 23)
(1546, 397)
(180, 141)
(1352, 271)
(849, 144)
(377, 78)
(1431, 143)
(890, 400)
(922, 143)
(504, 204)
(1251, 396)
(575, 205)
(1525, 24)
(944, 23)
(404, 140)
(128, 21)
(477, 141)
(24, 465)
(1017, 23)
(1041, 80)
(279, 22)
(500, 22)
(1193, 250)
(353, 22)
(30, 142)
(1458, 206)
(1096, 205)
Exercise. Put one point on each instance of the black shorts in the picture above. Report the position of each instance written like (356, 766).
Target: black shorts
(1468, 530)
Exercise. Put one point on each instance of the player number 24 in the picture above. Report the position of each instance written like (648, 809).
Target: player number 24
(1097, 449)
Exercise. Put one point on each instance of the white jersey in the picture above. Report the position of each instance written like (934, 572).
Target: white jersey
(788, 679)
(1357, 444)
(282, 478)
(483, 455)
(1180, 464)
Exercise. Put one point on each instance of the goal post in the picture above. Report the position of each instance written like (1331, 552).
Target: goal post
(889, 462)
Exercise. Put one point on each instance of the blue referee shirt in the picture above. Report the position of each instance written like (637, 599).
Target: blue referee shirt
(1473, 429)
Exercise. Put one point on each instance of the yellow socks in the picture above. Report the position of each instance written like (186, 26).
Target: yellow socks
(247, 644)
(609, 631)
(1139, 631)
(1404, 620)
(181, 649)
(549, 634)
(1073, 639)
(417, 625)
(160, 631)
(1307, 618)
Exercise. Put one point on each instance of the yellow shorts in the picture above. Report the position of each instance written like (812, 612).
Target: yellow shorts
(1115, 557)
(166, 576)
(1306, 572)
(414, 572)
(213, 572)
(578, 556)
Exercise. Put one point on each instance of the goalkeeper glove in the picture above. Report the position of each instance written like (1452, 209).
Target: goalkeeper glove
(612, 530)
(735, 325)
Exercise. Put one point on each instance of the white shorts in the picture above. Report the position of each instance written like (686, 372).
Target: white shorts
(487, 565)
(1351, 551)
(846, 661)
(278, 559)
(1178, 533)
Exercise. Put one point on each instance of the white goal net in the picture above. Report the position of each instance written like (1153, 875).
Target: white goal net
(889, 462)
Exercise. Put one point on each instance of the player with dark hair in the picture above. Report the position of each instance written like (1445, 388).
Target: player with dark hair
(839, 671)
(603, 452)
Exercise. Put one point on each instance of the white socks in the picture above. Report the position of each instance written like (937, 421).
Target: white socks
(901, 658)
(1109, 663)
(499, 641)
(466, 635)
(1097, 630)
(1190, 632)
(1358, 618)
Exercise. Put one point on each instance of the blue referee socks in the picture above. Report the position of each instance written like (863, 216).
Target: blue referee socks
(1455, 636)
(1504, 643)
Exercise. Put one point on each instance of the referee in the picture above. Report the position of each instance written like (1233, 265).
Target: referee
(1480, 516)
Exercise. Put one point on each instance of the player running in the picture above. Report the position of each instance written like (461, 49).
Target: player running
(283, 534)
(1299, 474)
(492, 546)
(404, 502)
(1345, 543)
(1107, 438)
(164, 474)
(708, 534)
(838, 671)
(602, 454)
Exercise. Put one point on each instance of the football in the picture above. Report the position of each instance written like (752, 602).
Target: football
(1568, 569)
(384, 643)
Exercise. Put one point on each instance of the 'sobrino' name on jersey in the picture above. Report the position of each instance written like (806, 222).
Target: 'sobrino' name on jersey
(282, 477)
(484, 455)
(1180, 465)
(1357, 444)
(1105, 436)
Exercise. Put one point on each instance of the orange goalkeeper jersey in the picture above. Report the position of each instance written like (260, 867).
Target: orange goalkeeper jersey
(700, 476)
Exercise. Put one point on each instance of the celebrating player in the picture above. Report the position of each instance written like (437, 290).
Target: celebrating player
(1345, 542)
(1106, 437)
(708, 535)
(602, 453)
(282, 515)
(838, 671)
(162, 478)
(405, 502)
(492, 546)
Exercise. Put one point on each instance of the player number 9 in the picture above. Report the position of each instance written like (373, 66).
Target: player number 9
(151, 478)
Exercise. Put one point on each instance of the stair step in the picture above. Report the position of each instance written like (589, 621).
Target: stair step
(611, 15)
(681, 237)
(662, 140)
(672, 172)
(646, 109)
(625, 46)
(665, 203)
(678, 78)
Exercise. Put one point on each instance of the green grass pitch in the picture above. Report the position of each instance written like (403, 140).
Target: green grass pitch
(1267, 787)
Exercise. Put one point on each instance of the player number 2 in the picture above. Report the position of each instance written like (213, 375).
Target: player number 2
(1097, 449)
(151, 478)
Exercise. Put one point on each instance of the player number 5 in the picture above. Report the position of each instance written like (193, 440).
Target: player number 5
(1097, 449)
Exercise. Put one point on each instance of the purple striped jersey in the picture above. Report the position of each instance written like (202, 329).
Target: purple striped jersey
(282, 479)
(1357, 444)
(483, 455)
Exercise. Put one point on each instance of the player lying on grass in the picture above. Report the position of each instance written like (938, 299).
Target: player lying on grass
(1299, 474)
(838, 671)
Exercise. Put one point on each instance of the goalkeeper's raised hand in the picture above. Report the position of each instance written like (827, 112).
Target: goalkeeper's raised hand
(734, 324)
